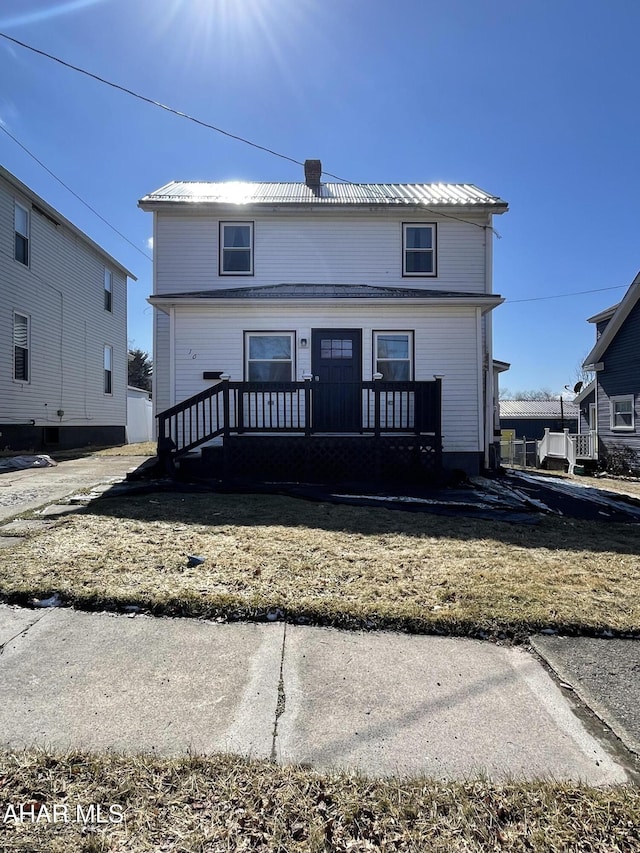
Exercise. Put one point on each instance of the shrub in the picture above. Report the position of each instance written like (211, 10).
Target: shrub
(621, 459)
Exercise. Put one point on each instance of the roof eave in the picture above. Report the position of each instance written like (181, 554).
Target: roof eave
(620, 315)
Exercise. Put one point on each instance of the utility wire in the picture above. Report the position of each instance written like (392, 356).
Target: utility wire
(209, 126)
(160, 105)
(75, 194)
(562, 295)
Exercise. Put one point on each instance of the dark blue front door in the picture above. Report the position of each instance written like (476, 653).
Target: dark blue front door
(336, 364)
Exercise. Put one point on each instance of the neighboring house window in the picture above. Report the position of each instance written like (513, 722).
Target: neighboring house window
(622, 412)
(21, 347)
(418, 249)
(269, 356)
(22, 234)
(108, 290)
(393, 353)
(108, 370)
(236, 248)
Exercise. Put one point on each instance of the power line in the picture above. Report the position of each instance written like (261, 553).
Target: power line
(75, 194)
(162, 106)
(209, 126)
(562, 295)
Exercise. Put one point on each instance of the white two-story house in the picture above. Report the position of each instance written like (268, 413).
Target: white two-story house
(329, 312)
(63, 329)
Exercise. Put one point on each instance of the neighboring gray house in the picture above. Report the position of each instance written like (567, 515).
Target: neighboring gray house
(339, 286)
(615, 359)
(63, 329)
(530, 418)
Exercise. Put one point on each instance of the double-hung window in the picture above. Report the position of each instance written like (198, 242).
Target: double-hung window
(418, 249)
(108, 370)
(269, 356)
(21, 333)
(622, 414)
(108, 290)
(393, 354)
(236, 248)
(21, 227)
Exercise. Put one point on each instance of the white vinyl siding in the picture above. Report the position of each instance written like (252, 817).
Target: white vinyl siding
(622, 414)
(316, 248)
(61, 291)
(445, 339)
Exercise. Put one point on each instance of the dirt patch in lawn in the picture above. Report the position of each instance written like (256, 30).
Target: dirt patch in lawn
(225, 803)
(333, 565)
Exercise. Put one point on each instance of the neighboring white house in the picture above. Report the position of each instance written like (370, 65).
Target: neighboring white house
(63, 329)
(328, 282)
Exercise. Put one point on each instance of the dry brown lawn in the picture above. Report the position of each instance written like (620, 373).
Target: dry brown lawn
(333, 564)
(224, 803)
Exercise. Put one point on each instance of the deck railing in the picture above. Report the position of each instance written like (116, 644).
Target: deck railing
(368, 407)
(571, 447)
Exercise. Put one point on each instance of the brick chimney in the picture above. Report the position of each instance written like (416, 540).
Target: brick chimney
(312, 173)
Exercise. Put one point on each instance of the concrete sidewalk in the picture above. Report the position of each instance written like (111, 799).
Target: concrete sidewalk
(382, 703)
(31, 488)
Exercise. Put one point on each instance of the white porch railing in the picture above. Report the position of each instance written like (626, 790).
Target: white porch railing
(571, 447)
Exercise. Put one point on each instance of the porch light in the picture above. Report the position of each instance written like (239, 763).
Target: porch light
(304, 342)
(307, 376)
(225, 377)
(377, 375)
(438, 375)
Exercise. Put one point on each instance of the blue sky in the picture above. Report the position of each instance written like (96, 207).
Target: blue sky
(534, 102)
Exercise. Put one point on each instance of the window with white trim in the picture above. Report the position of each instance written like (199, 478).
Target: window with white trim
(21, 347)
(622, 414)
(108, 369)
(393, 355)
(108, 290)
(236, 248)
(418, 249)
(21, 226)
(269, 356)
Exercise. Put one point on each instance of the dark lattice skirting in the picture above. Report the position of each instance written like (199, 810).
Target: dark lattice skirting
(325, 459)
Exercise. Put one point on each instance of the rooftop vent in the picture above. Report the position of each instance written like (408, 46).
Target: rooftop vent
(312, 173)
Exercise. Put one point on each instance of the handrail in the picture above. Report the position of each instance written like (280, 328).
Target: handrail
(374, 406)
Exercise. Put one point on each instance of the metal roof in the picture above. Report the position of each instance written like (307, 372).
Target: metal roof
(537, 409)
(241, 192)
(328, 291)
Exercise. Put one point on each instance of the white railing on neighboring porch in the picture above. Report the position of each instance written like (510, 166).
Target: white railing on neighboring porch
(571, 447)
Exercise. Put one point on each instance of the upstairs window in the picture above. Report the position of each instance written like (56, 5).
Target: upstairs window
(108, 290)
(236, 248)
(108, 370)
(269, 356)
(622, 414)
(21, 347)
(394, 355)
(21, 219)
(418, 249)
